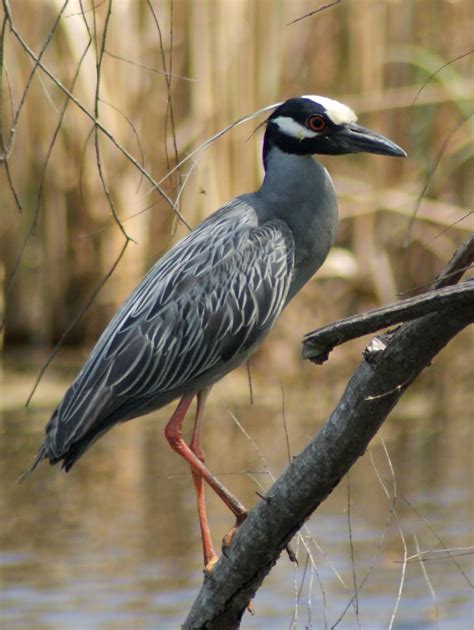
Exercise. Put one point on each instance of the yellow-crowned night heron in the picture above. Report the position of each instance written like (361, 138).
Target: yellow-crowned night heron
(208, 303)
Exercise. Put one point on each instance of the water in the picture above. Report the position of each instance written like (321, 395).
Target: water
(115, 543)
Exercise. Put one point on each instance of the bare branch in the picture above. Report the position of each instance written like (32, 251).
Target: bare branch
(34, 223)
(311, 13)
(150, 68)
(86, 112)
(37, 64)
(433, 74)
(430, 176)
(76, 319)
(318, 344)
(428, 581)
(100, 56)
(314, 473)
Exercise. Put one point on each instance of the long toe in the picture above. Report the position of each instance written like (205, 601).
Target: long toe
(228, 538)
(210, 565)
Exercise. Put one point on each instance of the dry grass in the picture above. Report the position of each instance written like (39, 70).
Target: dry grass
(161, 77)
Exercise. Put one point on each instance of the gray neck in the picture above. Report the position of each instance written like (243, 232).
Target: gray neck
(299, 191)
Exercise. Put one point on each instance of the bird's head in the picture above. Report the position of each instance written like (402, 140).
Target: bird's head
(310, 125)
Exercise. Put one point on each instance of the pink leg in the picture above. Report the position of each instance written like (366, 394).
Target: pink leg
(195, 457)
(210, 556)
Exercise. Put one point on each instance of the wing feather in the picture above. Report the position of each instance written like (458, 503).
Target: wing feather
(199, 311)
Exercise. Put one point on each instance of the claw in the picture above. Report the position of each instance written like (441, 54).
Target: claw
(228, 538)
(210, 565)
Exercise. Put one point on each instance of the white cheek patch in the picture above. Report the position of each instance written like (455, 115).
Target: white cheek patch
(337, 112)
(290, 127)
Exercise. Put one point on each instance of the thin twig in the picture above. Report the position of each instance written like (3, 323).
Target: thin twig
(460, 261)
(75, 320)
(351, 543)
(85, 111)
(437, 71)
(285, 424)
(100, 56)
(429, 178)
(311, 13)
(450, 226)
(314, 570)
(443, 146)
(169, 119)
(443, 554)
(137, 138)
(37, 64)
(198, 150)
(440, 540)
(300, 537)
(310, 596)
(249, 380)
(94, 7)
(34, 223)
(3, 154)
(379, 543)
(297, 590)
(429, 285)
(150, 68)
(428, 582)
(402, 538)
(12, 188)
(253, 443)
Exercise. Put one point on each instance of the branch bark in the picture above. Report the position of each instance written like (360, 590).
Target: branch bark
(318, 344)
(370, 395)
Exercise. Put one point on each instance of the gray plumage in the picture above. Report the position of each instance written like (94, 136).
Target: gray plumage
(208, 303)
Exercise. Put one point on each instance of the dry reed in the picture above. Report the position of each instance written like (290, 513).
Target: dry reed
(163, 76)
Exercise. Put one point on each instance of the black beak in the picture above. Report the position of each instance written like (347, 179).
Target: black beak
(356, 139)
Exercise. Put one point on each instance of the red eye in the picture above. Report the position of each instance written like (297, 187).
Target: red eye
(316, 123)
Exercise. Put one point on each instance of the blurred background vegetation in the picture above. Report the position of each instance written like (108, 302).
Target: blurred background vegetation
(224, 59)
(162, 77)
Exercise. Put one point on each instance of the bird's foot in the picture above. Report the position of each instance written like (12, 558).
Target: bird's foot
(227, 540)
(210, 564)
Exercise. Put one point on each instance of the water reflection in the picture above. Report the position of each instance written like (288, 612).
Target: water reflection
(115, 543)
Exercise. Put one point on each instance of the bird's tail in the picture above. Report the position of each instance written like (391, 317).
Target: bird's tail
(40, 455)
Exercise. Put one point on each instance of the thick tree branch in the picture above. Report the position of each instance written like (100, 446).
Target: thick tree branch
(318, 344)
(370, 395)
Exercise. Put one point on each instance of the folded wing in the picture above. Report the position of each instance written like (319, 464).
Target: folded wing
(198, 313)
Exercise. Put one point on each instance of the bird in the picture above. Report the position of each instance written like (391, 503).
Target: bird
(208, 303)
